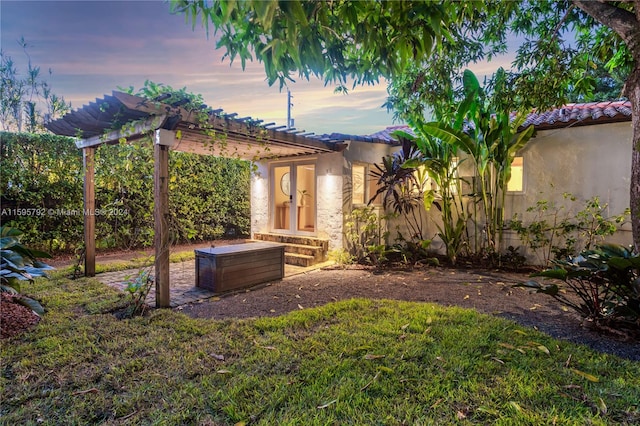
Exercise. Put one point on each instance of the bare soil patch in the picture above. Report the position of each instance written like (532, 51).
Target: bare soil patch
(14, 317)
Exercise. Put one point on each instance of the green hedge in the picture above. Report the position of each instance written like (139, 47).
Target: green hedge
(41, 182)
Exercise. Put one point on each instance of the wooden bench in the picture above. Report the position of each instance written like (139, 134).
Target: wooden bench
(237, 266)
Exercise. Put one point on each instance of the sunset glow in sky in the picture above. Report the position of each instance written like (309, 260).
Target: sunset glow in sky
(94, 47)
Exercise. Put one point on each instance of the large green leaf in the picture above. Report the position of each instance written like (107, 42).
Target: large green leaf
(470, 83)
(8, 231)
(450, 135)
(550, 289)
(8, 242)
(609, 249)
(556, 273)
(32, 304)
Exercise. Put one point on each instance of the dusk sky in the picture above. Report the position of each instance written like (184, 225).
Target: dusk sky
(94, 47)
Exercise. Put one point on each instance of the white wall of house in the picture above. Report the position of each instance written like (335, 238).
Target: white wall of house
(330, 202)
(361, 153)
(585, 161)
(333, 188)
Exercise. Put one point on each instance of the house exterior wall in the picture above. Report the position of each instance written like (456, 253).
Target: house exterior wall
(330, 202)
(363, 153)
(333, 188)
(585, 161)
(329, 207)
(260, 198)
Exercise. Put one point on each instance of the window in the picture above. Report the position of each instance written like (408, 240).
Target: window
(516, 183)
(358, 178)
(364, 186)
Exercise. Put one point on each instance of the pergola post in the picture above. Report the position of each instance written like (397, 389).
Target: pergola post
(163, 140)
(88, 156)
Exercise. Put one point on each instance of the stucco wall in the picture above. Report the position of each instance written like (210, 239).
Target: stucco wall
(362, 153)
(585, 161)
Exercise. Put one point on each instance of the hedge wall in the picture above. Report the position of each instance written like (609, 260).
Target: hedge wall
(41, 182)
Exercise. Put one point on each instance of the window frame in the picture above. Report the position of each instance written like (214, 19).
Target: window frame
(367, 183)
(522, 179)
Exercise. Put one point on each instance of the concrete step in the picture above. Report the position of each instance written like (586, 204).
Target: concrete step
(292, 239)
(299, 250)
(299, 259)
(313, 251)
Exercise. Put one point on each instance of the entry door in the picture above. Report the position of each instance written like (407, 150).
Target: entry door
(293, 198)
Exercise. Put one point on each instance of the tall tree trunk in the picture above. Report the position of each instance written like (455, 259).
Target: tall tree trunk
(632, 90)
(627, 25)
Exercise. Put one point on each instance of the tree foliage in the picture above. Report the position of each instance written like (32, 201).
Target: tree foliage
(41, 172)
(26, 99)
(334, 41)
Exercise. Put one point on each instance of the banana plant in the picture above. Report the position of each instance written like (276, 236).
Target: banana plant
(439, 160)
(491, 139)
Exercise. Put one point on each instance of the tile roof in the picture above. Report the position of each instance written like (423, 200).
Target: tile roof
(581, 115)
(374, 138)
(566, 116)
(385, 134)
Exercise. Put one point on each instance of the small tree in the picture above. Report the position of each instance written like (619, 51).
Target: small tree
(26, 101)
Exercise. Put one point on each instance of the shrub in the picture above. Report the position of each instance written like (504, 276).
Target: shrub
(606, 281)
(557, 230)
(41, 181)
(19, 264)
(366, 235)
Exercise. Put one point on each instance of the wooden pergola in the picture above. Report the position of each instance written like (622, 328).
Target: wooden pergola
(124, 117)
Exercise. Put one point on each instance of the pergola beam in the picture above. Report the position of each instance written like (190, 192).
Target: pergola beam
(137, 131)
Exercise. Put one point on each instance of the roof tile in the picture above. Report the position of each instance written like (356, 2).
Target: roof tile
(565, 116)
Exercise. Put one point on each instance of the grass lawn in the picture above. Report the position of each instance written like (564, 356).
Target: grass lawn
(354, 362)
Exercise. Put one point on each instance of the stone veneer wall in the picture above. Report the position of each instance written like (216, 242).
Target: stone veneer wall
(260, 199)
(330, 183)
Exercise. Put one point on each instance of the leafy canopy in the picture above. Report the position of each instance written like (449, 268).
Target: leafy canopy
(334, 41)
(565, 54)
